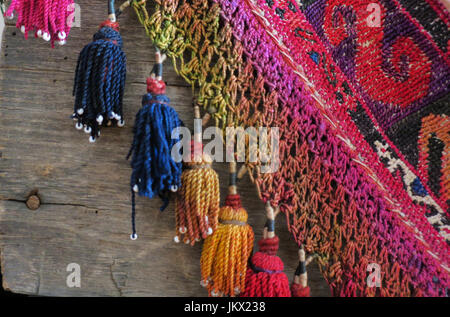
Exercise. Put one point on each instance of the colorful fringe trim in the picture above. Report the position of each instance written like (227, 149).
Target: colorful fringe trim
(363, 117)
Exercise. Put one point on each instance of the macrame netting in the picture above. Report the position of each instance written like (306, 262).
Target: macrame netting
(343, 198)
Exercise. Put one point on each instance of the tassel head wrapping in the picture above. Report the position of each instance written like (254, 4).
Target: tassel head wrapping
(265, 276)
(49, 19)
(155, 86)
(99, 82)
(225, 253)
(197, 202)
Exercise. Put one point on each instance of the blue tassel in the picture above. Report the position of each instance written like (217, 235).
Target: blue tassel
(154, 171)
(99, 82)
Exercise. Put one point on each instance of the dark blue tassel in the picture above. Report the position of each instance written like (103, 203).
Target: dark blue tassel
(99, 82)
(154, 172)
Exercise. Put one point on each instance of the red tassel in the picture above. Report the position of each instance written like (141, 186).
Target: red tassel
(298, 291)
(265, 276)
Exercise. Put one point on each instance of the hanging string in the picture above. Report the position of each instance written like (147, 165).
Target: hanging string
(299, 287)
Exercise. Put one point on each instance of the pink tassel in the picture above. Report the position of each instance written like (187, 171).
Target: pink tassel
(49, 19)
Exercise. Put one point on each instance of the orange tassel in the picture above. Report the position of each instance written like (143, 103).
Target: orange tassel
(197, 202)
(225, 254)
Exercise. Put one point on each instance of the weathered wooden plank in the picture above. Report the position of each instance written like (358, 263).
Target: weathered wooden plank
(38, 245)
(36, 111)
(84, 216)
(2, 28)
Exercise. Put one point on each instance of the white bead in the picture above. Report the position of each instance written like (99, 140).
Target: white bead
(204, 283)
(62, 35)
(136, 188)
(22, 29)
(46, 36)
(214, 294)
(174, 188)
(80, 111)
(63, 42)
(10, 17)
(176, 239)
(187, 241)
(237, 291)
(121, 123)
(117, 117)
(78, 126)
(133, 236)
(39, 33)
(112, 115)
(210, 231)
(206, 219)
(183, 230)
(87, 129)
(91, 139)
(197, 239)
(99, 119)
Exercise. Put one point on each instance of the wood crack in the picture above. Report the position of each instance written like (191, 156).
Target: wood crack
(35, 70)
(113, 279)
(24, 201)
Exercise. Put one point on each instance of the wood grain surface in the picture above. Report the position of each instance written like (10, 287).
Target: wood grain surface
(84, 211)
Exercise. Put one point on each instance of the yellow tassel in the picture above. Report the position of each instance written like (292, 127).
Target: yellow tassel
(197, 202)
(225, 254)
